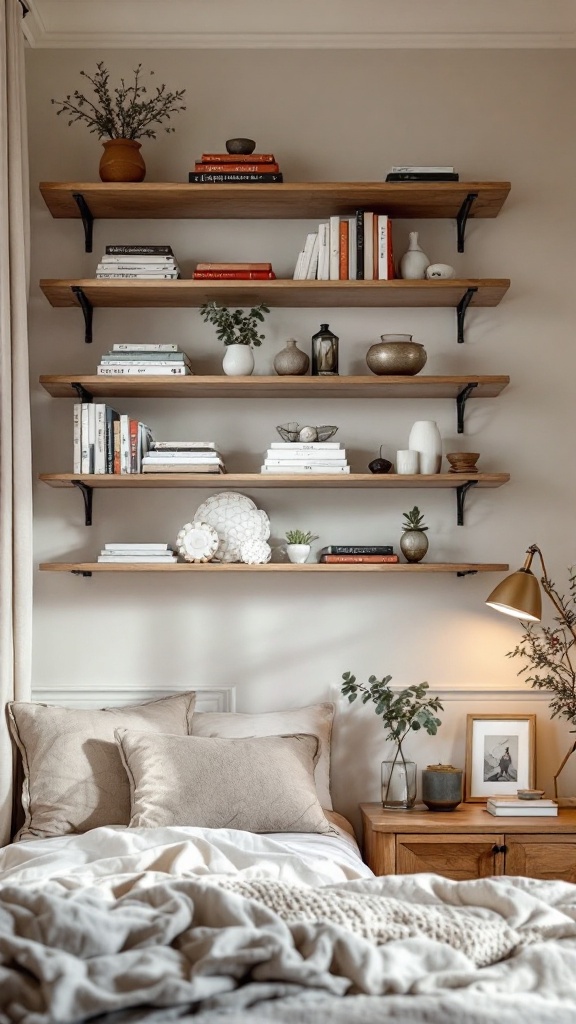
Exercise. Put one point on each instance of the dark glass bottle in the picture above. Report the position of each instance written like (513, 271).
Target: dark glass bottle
(324, 353)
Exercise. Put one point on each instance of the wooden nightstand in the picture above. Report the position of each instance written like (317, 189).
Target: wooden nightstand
(469, 843)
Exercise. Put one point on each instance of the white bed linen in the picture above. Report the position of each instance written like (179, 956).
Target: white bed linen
(108, 855)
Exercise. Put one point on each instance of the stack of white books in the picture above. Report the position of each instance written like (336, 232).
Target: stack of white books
(305, 457)
(162, 359)
(137, 553)
(183, 457)
(513, 807)
(148, 262)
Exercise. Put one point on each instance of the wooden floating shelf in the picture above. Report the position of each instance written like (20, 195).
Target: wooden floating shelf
(369, 481)
(135, 294)
(289, 200)
(463, 568)
(220, 386)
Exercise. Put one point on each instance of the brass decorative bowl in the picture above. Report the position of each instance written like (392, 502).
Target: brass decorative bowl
(396, 355)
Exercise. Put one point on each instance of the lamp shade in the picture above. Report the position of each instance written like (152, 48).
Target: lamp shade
(518, 595)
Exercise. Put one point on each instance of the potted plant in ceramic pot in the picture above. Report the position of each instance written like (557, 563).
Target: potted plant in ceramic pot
(298, 546)
(401, 711)
(414, 542)
(239, 332)
(122, 116)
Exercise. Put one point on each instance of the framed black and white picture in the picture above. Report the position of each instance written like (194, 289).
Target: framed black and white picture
(500, 755)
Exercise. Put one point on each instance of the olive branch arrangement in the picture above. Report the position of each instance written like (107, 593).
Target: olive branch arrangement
(235, 327)
(401, 711)
(127, 112)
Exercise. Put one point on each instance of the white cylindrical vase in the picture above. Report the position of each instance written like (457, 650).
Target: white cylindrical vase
(238, 361)
(425, 438)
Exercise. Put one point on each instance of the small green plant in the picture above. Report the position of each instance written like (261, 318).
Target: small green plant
(299, 537)
(127, 112)
(400, 710)
(234, 327)
(414, 520)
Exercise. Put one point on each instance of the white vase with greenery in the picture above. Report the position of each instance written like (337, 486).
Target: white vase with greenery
(239, 332)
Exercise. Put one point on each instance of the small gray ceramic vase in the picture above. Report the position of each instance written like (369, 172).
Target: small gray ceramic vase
(290, 361)
(413, 545)
(442, 787)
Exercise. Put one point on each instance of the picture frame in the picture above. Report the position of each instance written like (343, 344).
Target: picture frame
(500, 755)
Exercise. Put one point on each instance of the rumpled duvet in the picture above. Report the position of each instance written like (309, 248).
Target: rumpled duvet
(156, 946)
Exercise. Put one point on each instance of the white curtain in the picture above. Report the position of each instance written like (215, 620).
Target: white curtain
(15, 456)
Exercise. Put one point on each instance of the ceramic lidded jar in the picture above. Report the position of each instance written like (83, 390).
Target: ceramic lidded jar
(442, 787)
(290, 361)
(396, 355)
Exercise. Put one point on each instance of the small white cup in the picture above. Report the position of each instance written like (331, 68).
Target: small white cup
(407, 461)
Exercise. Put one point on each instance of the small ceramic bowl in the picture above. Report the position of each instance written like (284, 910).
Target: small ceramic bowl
(243, 146)
(440, 270)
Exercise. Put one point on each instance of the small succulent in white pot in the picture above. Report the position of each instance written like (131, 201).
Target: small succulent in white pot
(298, 545)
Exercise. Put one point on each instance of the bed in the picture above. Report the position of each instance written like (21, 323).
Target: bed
(158, 922)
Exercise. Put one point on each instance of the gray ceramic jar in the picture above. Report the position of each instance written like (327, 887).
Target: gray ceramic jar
(396, 355)
(442, 787)
(291, 361)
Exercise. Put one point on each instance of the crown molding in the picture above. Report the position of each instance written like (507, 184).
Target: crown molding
(300, 24)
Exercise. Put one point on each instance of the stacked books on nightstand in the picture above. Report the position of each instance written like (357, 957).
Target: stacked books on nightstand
(378, 554)
(158, 553)
(305, 457)
(183, 457)
(148, 262)
(236, 168)
(234, 272)
(141, 359)
(512, 807)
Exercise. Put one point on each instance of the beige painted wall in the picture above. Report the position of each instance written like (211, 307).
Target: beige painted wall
(285, 641)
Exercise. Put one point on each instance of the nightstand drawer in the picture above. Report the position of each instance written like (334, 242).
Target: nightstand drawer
(458, 857)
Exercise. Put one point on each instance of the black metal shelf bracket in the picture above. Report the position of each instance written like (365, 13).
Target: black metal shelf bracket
(87, 493)
(80, 572)
(87, 219)
(462, 217)
(467, 572)
(87, 310)
(461, 311)
(461, 492)
(461, 400)
(84, 395)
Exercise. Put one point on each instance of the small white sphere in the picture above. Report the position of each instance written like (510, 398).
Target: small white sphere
(308, 434)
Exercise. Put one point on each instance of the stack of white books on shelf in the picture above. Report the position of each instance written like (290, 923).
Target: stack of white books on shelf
(161, 359)
(357, 248)
(183, 457)
(161, 553)
(514, 807)
(305, 457)
(148, 262)
(106, 441)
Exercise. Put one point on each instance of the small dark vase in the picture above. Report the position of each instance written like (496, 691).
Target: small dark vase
(241, 146)
(442, 787)
(324, 353)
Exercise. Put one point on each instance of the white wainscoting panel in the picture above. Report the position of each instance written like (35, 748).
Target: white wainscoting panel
(208, 698)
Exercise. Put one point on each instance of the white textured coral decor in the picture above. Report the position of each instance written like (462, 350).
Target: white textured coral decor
(197, 542)
(255, 552)
(236, 519)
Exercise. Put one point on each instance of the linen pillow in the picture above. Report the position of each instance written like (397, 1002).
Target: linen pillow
(263, 784)
(73, 774)
(316, 720)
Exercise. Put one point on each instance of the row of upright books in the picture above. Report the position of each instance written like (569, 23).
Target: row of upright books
(106, 441)
(293, 457)
(137, 359)
(236, 169)
(357, 248)
(148, 262)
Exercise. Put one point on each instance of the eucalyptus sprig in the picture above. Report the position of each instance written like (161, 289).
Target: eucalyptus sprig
(127, 112)
(234, 327)
(400, 710)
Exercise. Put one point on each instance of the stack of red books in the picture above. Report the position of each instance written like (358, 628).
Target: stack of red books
(234, 272)
(235, 168)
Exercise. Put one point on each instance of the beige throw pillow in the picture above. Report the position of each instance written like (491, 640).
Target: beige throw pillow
(73, 774)
(316, 720)
(255, 785)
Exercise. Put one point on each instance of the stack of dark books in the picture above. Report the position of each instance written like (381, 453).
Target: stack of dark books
(412, 172)
(236, 168)
(350, 553)
(149, 262)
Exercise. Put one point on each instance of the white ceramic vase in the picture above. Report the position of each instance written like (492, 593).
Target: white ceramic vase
(238, 361)
(414, 262)
(298, 553)
(426, 440)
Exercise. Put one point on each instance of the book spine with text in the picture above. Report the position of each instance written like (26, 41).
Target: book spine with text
(111, 417)
(77, 438)
(359, 245)
(100, 439)
(253, 168)
(122, 346)
(142, 371)
(233, 266)
(334, 266)
(358, 549)
(368, 245)
(139, 250)
(124, 443)
(234, 275)
(136, 276)
(344, 228)
(353, 559)
(323, 272)
(197, 178)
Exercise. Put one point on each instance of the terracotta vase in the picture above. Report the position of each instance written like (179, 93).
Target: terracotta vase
(122, 161)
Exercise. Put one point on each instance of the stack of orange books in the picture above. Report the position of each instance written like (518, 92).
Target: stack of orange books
(235, 168)
(234, 272)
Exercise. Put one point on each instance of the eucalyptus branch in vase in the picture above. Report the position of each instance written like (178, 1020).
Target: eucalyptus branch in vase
(401, 711)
